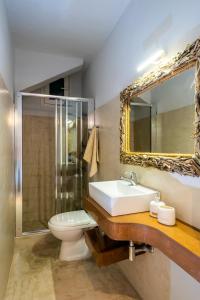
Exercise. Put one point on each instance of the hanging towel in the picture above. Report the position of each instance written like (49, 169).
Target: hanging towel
(91, 154)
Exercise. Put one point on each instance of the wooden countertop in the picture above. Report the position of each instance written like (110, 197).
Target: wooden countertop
(181, 242)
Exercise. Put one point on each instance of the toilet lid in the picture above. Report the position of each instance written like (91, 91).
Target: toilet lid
(72, 218)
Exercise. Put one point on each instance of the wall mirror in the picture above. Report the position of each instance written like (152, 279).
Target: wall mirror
(162, 119)
(160, 116)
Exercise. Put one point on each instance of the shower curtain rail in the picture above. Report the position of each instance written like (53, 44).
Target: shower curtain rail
(56, 97)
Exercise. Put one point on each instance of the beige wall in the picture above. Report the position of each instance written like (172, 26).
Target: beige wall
(112, 69)
(172, 132)
(182, 192)
(175, 131)
(152, 275)
(7, 200)
(140, 135)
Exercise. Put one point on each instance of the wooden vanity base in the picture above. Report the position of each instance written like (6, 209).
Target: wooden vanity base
(181, 243)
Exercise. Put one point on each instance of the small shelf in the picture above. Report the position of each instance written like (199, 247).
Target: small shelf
(104, 250)
(181, 243)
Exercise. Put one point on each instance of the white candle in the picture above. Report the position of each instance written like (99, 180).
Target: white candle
(166, 215)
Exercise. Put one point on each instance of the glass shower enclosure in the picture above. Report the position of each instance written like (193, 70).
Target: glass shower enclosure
(51, 134)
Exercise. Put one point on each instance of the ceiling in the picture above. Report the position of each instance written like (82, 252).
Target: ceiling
(66, 27)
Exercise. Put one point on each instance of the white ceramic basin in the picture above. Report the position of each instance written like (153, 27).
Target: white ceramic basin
(118, 197)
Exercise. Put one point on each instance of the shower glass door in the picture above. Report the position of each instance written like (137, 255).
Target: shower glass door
(51, 176)
(38, 162)
(71, 138)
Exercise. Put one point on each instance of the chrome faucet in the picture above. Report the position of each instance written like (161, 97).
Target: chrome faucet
(130, 177)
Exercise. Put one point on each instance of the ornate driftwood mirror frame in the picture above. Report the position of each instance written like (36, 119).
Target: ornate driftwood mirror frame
(182, 164)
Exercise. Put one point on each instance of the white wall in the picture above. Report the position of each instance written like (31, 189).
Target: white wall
(6, 52)
(145, 27)
(32, 68)
(76, 84)
(7, 200)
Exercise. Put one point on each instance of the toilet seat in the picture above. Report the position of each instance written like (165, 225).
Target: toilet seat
(71, 220)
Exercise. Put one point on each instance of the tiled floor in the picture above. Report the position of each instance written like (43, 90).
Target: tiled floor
(33, 225)
(37, 274)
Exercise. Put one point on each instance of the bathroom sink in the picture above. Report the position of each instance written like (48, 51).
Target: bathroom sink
(118, 197)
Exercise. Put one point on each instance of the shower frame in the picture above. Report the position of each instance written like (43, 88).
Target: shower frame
(18, 149)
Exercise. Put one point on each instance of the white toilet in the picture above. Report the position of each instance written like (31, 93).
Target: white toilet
(68, 227)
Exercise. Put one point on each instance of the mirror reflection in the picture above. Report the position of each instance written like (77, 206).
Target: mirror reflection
(162, 119)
